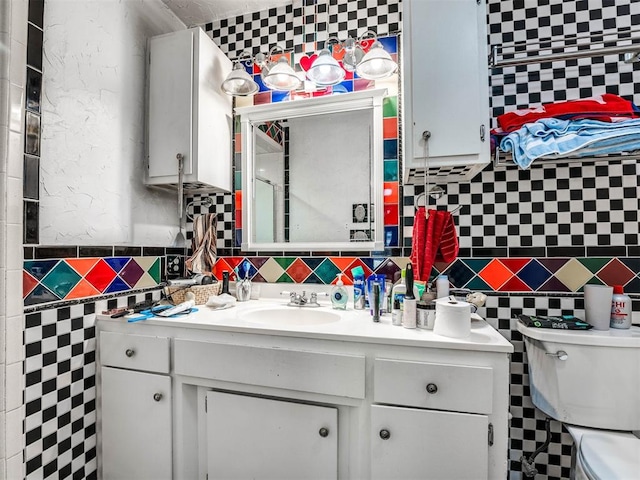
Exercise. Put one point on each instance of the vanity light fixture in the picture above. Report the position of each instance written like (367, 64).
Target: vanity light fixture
(239, 82)
(326, 70)
(277, 75)
(377, 63)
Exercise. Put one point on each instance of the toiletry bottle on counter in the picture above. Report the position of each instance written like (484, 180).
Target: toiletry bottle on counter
(442, 286)
(620, 308)
(358, 287)
(225, 282)
(398, 292)
(409, 304)
(339, 297)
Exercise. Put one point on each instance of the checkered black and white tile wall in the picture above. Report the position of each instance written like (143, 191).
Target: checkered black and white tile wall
(60, 387)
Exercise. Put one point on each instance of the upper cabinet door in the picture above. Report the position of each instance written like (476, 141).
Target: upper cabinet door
(445, 84)
(188, 112)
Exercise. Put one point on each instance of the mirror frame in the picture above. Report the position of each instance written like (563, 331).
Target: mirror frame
(253, 115)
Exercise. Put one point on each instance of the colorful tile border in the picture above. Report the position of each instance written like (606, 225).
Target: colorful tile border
(507, 275)
(46, 281)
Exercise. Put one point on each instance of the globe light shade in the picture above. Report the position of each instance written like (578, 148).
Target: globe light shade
(377, 63)
(239, 82)
(325, 70)
(281, 77)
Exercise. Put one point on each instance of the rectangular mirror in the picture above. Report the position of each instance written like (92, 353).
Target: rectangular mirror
(312, 174)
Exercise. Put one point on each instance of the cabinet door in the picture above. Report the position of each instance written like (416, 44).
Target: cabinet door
(258, 438)
(425, 444)
(136, 425)
(170, 103)
(446, 79)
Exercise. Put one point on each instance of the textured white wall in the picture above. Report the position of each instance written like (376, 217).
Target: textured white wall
(93, 125)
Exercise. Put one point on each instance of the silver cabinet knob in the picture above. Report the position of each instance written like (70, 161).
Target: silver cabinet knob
(432, 388)
(130, 352)
(157, 397)
(324, 432)
(385, 434)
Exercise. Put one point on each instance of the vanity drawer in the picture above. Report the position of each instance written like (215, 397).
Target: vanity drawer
(135, 352)
(459, 388)
(305, 371)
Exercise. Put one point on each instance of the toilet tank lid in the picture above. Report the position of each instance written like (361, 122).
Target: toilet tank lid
(629, 338)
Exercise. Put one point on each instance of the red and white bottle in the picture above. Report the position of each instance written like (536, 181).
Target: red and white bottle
(620, 308)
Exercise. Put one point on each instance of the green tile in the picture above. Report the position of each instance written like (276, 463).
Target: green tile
(61, 279)
(327, 271)
(477, 284)
(154, 271)
(238, 180)
(284, 278)
(476, 264)
(390, 106)
(594, 265)
(284, 262)
(391, 170)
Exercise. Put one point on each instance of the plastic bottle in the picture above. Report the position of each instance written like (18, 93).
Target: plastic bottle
(442, 286)
(358, 288)
(398, 292)
(339, 295)
(620, 309)
(409, 305)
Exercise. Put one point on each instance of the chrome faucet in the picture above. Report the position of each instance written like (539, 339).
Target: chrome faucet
(300, 300)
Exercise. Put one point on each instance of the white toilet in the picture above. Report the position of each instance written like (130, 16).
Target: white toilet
(590, 380)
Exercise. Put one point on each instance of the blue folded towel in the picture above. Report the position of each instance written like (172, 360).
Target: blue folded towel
(556, 138)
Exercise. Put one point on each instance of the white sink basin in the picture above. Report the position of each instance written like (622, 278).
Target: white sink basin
(290, 316)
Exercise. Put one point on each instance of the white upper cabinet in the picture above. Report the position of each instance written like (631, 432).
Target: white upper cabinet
(445, 90)
(189, 114)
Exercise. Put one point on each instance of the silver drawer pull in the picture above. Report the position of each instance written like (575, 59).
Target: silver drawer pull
(157, 397)
(432, 388)
(560, 355)
(385, 434)
(130, 352)
(324, 432)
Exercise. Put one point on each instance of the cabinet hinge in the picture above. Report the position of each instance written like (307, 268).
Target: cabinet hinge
(490, 436)
(482, 132)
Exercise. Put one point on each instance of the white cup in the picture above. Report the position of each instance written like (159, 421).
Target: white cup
(597, 306)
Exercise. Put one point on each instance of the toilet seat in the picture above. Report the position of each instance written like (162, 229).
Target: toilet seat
(610, 455)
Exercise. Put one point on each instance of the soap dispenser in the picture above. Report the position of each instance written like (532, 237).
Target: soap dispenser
(339, 296)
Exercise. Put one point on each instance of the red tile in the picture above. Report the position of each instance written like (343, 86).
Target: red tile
(101, 275)
(390, 127)
(515, 264)
(298, 271)
(82, 290)
(390, 215)
(495, 274)
(390, 192)
(615, 273)
(28, 284)
(515, 285)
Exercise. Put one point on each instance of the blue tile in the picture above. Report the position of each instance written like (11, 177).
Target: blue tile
(390, 44)
(39, 268)
(390, 149)
(534, 274)
(390, 236)
(279, 96)
(117, 263)
(118, 285)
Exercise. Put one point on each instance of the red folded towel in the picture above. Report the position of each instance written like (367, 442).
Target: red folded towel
(434, 238)
(599, 107)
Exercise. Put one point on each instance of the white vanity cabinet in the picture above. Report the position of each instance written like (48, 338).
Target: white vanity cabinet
(189, 114)
(135, 405)
(386, 403)
(457, 445)
(446, 92)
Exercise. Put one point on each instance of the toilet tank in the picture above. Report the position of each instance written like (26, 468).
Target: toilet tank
(597, 383)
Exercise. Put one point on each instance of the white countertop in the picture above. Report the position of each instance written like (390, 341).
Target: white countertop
(354, 325)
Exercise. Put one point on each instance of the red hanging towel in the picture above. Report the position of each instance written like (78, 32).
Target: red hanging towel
(434, 238)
